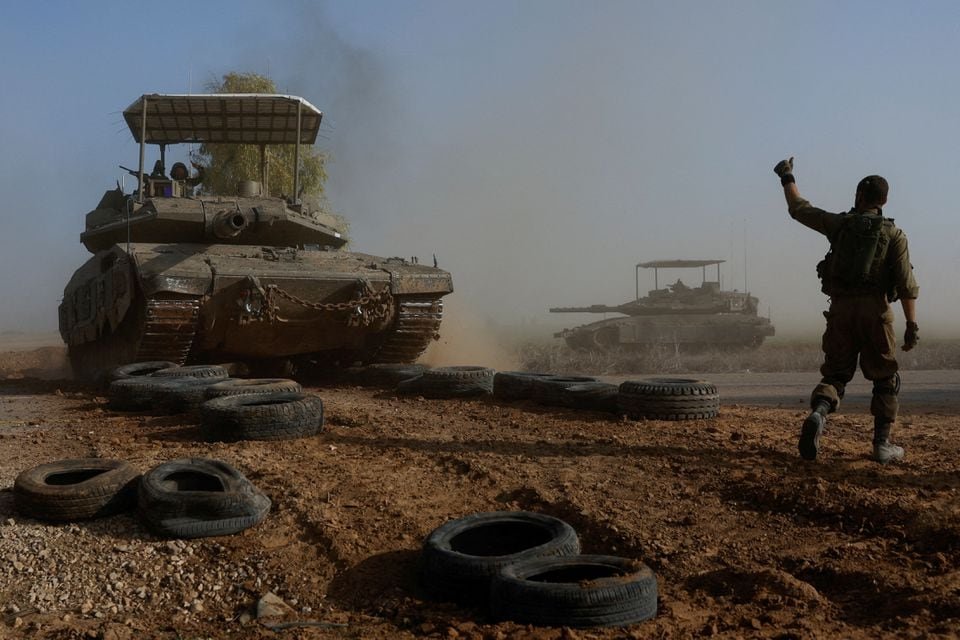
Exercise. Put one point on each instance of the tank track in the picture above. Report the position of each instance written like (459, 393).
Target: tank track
(416, 326)
(169, 330)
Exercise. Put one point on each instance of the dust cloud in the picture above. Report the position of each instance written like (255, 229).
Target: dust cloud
(466, 340)
(540, 150)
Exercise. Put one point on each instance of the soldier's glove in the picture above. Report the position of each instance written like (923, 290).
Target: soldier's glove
(910, 337)
(784, 169)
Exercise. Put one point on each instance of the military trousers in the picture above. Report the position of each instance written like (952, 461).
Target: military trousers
(860, 327)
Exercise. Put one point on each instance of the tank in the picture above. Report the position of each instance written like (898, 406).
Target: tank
(678, 315)
(239, 277)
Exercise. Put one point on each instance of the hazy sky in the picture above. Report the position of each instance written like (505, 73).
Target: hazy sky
(539, 148)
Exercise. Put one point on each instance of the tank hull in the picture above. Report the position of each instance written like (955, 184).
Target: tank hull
(686, 331)
(204, 303)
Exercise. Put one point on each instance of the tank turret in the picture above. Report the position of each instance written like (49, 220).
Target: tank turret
(189, 277)
(677, 314)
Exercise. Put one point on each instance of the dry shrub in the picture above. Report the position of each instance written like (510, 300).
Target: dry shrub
(556, 357)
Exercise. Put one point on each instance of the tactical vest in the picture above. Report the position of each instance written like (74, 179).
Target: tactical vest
(856, 261)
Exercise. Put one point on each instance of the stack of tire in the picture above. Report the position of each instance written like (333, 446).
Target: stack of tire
(185, 498)
(648, 399)
(527, 567)
(230, 409)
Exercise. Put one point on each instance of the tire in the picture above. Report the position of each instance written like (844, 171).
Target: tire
(578, 591)
(594, 396)
(181, 395)
(261, 416)
(199, 497)
(138, 369)
(451, 382)
(551, 390)
(136, 393)
(212, 371)
(239, 387)
(515, 385)
(76, 489)
(389, 375)
(460, 557)
(669, 399)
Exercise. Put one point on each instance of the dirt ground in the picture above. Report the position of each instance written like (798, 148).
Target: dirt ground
(746, 539)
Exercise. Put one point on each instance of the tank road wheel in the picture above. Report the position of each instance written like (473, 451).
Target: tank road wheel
(605, 339)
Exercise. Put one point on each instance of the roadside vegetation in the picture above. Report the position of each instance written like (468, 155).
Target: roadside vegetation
(556, 357)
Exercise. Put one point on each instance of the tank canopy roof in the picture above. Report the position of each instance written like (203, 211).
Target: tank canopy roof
(226, 118)
(678, 264)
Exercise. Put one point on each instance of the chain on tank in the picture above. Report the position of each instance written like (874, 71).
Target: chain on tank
(367, 308)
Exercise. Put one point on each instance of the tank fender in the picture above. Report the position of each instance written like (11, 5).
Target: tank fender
(402, 283)
(97, 297)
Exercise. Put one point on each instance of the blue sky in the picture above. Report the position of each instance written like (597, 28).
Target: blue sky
(539, 148)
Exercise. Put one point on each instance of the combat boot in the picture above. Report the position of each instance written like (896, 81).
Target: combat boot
(884, 451)
(812, 429)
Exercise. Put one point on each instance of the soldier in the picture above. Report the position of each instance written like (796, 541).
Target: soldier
(867, 267)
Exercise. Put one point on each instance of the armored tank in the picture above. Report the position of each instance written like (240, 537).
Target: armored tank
(238, 277)
(678, 315)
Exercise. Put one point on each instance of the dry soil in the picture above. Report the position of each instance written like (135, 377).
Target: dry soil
(746, 539)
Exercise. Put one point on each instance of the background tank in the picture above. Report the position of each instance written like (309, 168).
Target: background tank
(679, 315)
(234, 277)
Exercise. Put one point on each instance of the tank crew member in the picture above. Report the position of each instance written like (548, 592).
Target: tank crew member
(158, 170)
(867, 267)
(179, 172)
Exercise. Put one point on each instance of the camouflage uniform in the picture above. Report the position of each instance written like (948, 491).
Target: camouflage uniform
(860, 323)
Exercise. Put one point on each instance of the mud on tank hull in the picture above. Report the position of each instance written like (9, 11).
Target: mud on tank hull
(691, 332)
(208, 303)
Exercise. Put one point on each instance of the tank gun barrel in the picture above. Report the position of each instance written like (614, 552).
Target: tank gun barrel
(594, 308)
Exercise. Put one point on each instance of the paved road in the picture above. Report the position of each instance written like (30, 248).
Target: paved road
(922, 392)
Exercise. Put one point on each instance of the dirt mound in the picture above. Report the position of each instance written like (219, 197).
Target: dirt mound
(45, 363)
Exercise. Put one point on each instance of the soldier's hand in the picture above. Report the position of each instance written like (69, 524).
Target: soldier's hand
(784, 167)
(910, 337)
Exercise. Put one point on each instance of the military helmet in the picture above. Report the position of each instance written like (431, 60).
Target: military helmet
(179, 171)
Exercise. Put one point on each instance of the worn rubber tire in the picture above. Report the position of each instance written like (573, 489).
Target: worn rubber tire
(181, 395)
(669, 399)
(76, 489)
(389, 375)
(245, 386)
(515, 385)
(460, 557)
(199, 497)
(138, 369)
(551, 390)
(594, 396)
(578, 591)
(211, 371)
(137, 393)
(262, 416)
(451, 382)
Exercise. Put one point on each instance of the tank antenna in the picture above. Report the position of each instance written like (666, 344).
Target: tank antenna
(745, 290)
